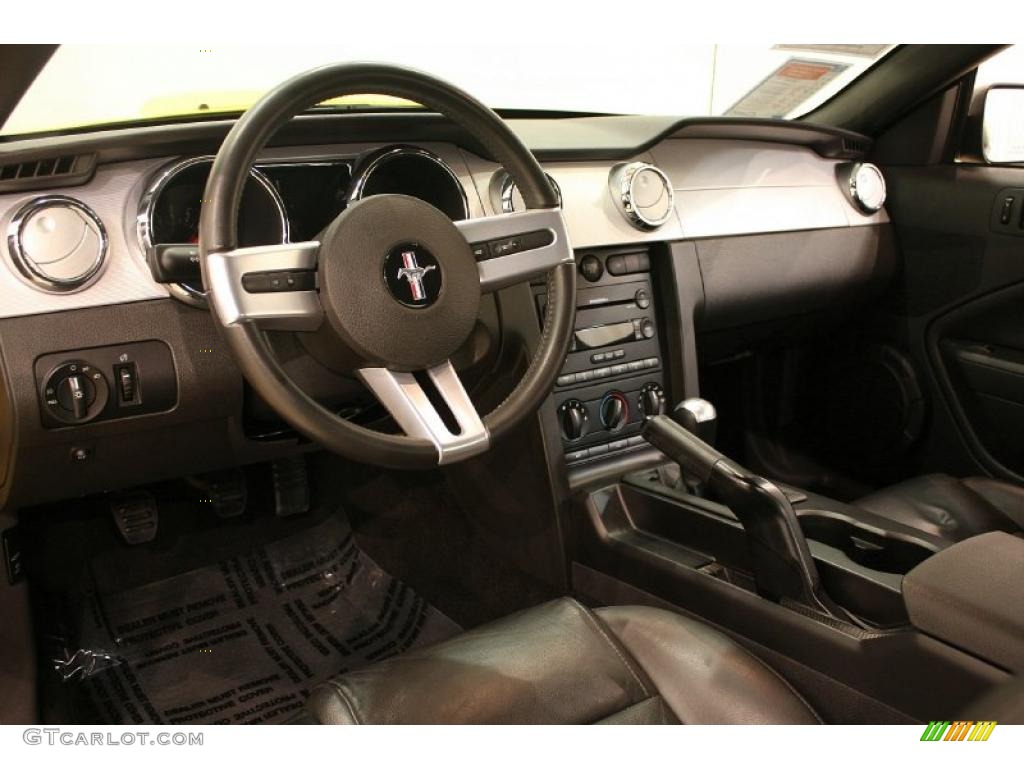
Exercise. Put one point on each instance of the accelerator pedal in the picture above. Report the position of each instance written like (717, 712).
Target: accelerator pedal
(136, 516)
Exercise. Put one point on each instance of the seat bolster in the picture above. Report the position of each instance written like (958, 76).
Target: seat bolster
(947, 507)
(703, 676)
(551, 664)
(1005, 497)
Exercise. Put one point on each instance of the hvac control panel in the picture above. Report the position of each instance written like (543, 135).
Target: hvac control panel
(613, 375)
(80, 386)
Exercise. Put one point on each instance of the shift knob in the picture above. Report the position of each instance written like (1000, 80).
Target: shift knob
(698, 416)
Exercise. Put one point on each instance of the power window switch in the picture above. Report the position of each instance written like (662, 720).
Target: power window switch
(126, 377)
(1004, 214)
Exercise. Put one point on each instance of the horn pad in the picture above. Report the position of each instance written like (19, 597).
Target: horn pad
(398, 282)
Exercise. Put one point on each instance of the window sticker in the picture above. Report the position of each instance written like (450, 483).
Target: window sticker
(786, 88)
(868, 51)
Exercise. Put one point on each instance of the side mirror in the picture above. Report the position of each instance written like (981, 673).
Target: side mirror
(1002, 126)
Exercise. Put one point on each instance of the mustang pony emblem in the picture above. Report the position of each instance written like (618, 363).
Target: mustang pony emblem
(414, 273)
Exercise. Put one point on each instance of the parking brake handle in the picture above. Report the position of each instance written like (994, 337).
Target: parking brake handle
(783, 566)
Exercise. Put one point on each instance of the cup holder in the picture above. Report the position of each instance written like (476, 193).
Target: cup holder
(885, 552)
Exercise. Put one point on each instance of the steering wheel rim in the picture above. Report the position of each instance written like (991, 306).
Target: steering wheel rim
(245, 317)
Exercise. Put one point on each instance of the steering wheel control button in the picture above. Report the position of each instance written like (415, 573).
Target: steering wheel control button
(495, 249)
(413, 275)
(591, 268)
(75, 392)
(273, 282)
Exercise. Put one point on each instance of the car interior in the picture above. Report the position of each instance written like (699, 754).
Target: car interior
(452, 415)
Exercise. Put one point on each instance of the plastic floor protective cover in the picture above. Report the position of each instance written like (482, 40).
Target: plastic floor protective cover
(246, 639)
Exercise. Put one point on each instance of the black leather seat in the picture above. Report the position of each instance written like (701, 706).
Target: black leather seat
(561, 663)
(951, 508)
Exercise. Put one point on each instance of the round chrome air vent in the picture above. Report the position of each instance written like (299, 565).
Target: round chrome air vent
(643, 193)
(57, 243)
(864, 185)
(505, 195)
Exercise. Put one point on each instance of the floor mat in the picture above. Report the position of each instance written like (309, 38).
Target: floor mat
(246, 639)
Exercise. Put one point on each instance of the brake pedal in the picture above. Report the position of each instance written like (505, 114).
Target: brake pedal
(136, 516)
(291, 486)
(226, 492)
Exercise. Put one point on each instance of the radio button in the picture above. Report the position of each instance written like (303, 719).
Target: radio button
(591, 268)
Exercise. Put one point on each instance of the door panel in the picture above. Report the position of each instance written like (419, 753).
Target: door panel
(959, 306)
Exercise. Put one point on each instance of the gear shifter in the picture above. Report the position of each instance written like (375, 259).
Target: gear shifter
(698, 416)
(782, 562)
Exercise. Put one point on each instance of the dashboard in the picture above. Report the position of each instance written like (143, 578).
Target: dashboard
(680, 227)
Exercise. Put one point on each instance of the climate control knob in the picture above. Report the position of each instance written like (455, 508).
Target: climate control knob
(572, 416)
(614, 411)
(652, 400)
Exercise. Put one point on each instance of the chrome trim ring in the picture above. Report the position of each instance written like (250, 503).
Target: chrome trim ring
(856, 195)
(506, 187)
(28, 269)
(147, 204)
(621, 182)
(386, 155)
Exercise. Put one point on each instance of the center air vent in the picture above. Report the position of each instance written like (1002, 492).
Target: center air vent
(57, 243)
(643, 193)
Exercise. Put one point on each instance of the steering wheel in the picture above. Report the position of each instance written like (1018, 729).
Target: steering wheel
(391, 288)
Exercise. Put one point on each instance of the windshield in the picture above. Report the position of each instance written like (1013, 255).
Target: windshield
(85, 85)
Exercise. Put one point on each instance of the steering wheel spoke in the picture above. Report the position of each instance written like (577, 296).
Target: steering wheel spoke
(457, 434)
(515, 247)
(273, 286)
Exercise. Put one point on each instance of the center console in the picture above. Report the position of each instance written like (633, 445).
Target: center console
(613, 376)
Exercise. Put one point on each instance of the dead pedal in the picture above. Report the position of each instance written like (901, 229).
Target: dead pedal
(291, 486)
(226, 492)
(136, 516)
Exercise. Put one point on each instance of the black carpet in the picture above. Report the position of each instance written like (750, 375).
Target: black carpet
(244, 639)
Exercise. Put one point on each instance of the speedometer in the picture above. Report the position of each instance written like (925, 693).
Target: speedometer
(170, 210)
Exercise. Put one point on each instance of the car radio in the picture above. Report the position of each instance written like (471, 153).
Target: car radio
(612, 377)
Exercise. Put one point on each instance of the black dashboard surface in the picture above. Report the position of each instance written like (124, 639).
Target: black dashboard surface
(612, 137)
